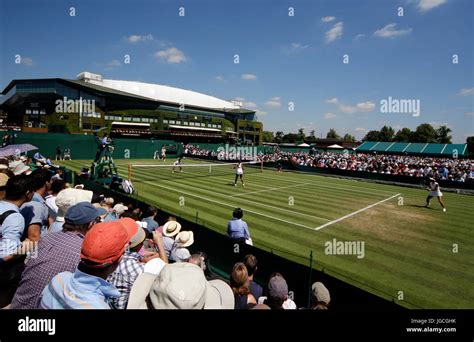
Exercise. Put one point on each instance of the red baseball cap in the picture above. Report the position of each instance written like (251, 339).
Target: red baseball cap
(106, 242)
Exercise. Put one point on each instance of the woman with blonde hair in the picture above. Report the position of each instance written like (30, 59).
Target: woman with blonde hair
(239, 281)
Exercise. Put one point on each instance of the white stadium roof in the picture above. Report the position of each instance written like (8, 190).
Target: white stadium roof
(158, 92)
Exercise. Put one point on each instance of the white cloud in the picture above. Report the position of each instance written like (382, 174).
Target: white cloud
(426, 5)
(135, 38)
(469, 113)
(28, 61)
(245, 104)
(360, 129)
(347, 109)
(334, 100)
(261, 112)
(367, 106)
(335, 32)
(219, 78)
(389, 31)
(250, 105)
(113, 63)
(249, 77)
(171, 55)
(274, 102)
(466, 91)
(359, 36)
(327, 19)
(298, 46)
(329, 116)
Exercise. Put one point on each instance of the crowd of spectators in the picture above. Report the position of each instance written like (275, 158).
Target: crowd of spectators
(64, 247)
(452, 169)
(439, 168)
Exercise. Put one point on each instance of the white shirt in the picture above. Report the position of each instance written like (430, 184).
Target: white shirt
(240, 170)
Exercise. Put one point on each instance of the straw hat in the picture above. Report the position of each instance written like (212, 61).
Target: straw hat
(185, 238)
(171, 228)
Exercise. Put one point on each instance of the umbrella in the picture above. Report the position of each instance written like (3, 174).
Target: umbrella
(335, 146)
(12, 150)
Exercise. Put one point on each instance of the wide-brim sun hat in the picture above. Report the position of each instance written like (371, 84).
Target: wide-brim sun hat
(184, 238)
(171, 228)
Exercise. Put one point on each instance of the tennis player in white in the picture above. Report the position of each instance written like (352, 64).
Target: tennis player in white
(239, 172)
(434, 191)
(176, 164)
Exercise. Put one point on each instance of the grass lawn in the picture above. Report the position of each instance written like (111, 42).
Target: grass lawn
(408, 248)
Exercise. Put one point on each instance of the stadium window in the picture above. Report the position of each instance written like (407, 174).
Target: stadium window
(145, 120)
(203, 124)
(165, 121)
(35, 111)
(136, 119)
(28, 111)
(185, 123)
(191, 124)
(172, 122)
(118, 118)
(127, 118)
(42, 111)
(106, 117)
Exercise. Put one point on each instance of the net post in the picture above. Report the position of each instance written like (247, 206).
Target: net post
(129, 172)
(261, 166)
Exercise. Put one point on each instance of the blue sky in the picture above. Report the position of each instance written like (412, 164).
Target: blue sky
(283, 58)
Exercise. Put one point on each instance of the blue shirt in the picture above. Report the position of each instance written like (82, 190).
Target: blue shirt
(237, 229)
(36, 212)
(77, 290)
(11, 230)
(57, 225)
(151, 223)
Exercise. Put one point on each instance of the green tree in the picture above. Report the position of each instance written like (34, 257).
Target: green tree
(442, 135)
(268, 136)
(290, 138)
(425, 133)
(312, 134)
(470, 144)
(372, 136)
(386, 133)
(349, 138)
(403, 135)
(301, 135)
(278, 137)
(332, 134)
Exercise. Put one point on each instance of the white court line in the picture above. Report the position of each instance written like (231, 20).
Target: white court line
(270, 189)
(228, 205)
(354, 213)
(371, 192)
(254, 202)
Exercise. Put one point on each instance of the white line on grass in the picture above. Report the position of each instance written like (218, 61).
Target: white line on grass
(270, 189)
(228, 205)
(255, 202)
(346, 187)
(354, 213)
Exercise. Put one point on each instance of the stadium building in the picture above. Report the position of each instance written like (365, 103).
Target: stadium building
(91, 103)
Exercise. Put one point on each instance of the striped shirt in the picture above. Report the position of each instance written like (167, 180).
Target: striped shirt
(124, 276)
(57, 252)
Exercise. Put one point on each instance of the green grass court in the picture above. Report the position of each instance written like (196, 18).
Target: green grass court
(407, 247)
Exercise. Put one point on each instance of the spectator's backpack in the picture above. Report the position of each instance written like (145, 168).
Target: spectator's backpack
(127, 187)
(3, 217)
